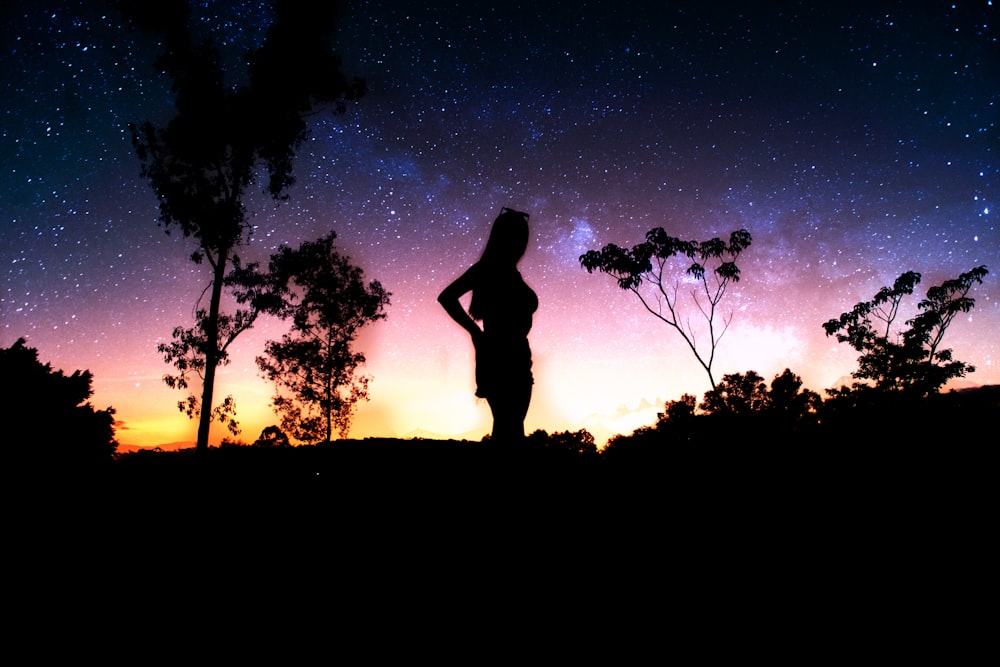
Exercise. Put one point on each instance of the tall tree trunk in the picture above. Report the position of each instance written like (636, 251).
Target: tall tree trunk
(329, 391)
(212, 353)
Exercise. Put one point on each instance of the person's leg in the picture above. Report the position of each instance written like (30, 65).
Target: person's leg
(509, 410)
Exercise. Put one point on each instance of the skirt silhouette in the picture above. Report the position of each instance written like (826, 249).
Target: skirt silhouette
(503, 367)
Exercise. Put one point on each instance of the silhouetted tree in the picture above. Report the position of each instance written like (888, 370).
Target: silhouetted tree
(575, 442)
(328, 303)
(676, 424)
(47, 415)
(713, 268)
(272, 436)
(745, 393)
(203, 161)
(646, 445)
(680, 409)
(190, 350)
(787, 398)
(737, 393)
(911, 362)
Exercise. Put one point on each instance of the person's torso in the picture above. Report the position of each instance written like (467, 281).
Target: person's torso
(508, 304)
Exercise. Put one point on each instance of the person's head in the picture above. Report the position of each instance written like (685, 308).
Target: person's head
(508, 239)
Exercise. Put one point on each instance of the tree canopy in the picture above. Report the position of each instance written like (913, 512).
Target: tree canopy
(314, 367)
(910, 361)
(712, 267)
(47, 415)
(202, 162)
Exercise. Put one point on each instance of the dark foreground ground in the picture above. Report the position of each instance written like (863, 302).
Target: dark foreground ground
(472, 551)
(425, 493)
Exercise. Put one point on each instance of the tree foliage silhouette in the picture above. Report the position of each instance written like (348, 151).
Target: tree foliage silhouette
(579, 443)
(48, 416)
(272, 437)
(911, 361)
(314, 367)
(224, 134)
(681, 410)
(742, 411)
(737, 393)
(790, 399)
(747, 393)
(712, 267)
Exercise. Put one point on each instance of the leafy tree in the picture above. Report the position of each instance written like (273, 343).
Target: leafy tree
(789, 399)
(680, 409)
(49, 409)
(911, 361)
(737, 393)
(746, 393)
(191, 351)
(223, 137)
(675, 412)
(677, 423)
(314, 366)
(573, 442)
(272, 436)
(712, 267)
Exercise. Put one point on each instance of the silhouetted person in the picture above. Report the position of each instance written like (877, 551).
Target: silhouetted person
(504, 304)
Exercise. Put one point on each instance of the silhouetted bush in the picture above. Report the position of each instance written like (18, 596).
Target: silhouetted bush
(46, 414)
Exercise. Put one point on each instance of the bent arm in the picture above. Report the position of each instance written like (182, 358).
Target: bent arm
(449, 299)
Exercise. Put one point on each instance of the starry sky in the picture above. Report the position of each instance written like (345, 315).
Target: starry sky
(855, 141)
